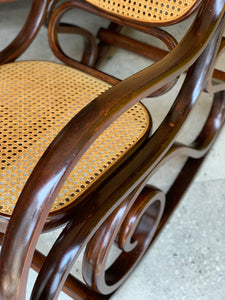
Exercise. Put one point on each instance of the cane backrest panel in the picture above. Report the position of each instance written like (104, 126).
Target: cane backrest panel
(152, 11)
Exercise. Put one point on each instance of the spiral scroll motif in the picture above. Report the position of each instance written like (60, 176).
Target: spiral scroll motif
(104, 220)
(132, 229)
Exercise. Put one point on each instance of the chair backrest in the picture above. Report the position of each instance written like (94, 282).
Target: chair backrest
(160, 12)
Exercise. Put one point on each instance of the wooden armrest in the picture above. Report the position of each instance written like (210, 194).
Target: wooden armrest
(65, 151)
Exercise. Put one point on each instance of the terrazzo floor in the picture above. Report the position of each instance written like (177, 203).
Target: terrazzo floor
(187, 261)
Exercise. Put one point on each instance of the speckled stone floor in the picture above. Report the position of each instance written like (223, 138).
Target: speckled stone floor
(187, 261)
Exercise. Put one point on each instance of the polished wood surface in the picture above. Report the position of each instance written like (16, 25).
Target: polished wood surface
(124, 209)
(28, 32)
(98, 47)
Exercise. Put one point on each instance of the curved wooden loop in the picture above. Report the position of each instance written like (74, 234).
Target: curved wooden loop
(162, 35)
(51, 7)
(136, 223)
(142, 220)
(26, 35)
(204, 141)
(171, 43)
(90, 44)
(54, 24)
(91, 49)
(68, 147)
(112, 37)
(133, 174)
(216, 81)
(198, 149)
(97, 251)
(215, 121)
(197, 152)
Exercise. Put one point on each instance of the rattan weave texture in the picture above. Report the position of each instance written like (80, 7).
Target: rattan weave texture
(156, 11)
(37, 100)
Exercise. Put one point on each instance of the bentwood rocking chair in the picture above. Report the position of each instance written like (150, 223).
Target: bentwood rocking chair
(77, 148)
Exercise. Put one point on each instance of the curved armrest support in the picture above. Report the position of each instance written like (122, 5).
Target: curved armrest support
(61, 156)
(26, 35)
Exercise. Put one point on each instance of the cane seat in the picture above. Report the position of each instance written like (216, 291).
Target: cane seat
(151, 11)
(36, 103)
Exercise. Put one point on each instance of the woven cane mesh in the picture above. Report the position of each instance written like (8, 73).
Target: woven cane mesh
(156, 11)
(37, 100)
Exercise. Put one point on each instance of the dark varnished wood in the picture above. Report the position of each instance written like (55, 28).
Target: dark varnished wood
(113, 198)
(90, 44)
(115, 26)
(112, 36)
(147, 160)
(132, 229)
(128, 43)
(26, 35)
(54, 27)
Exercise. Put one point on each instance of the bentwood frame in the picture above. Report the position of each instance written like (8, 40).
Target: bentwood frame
(123, 196)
